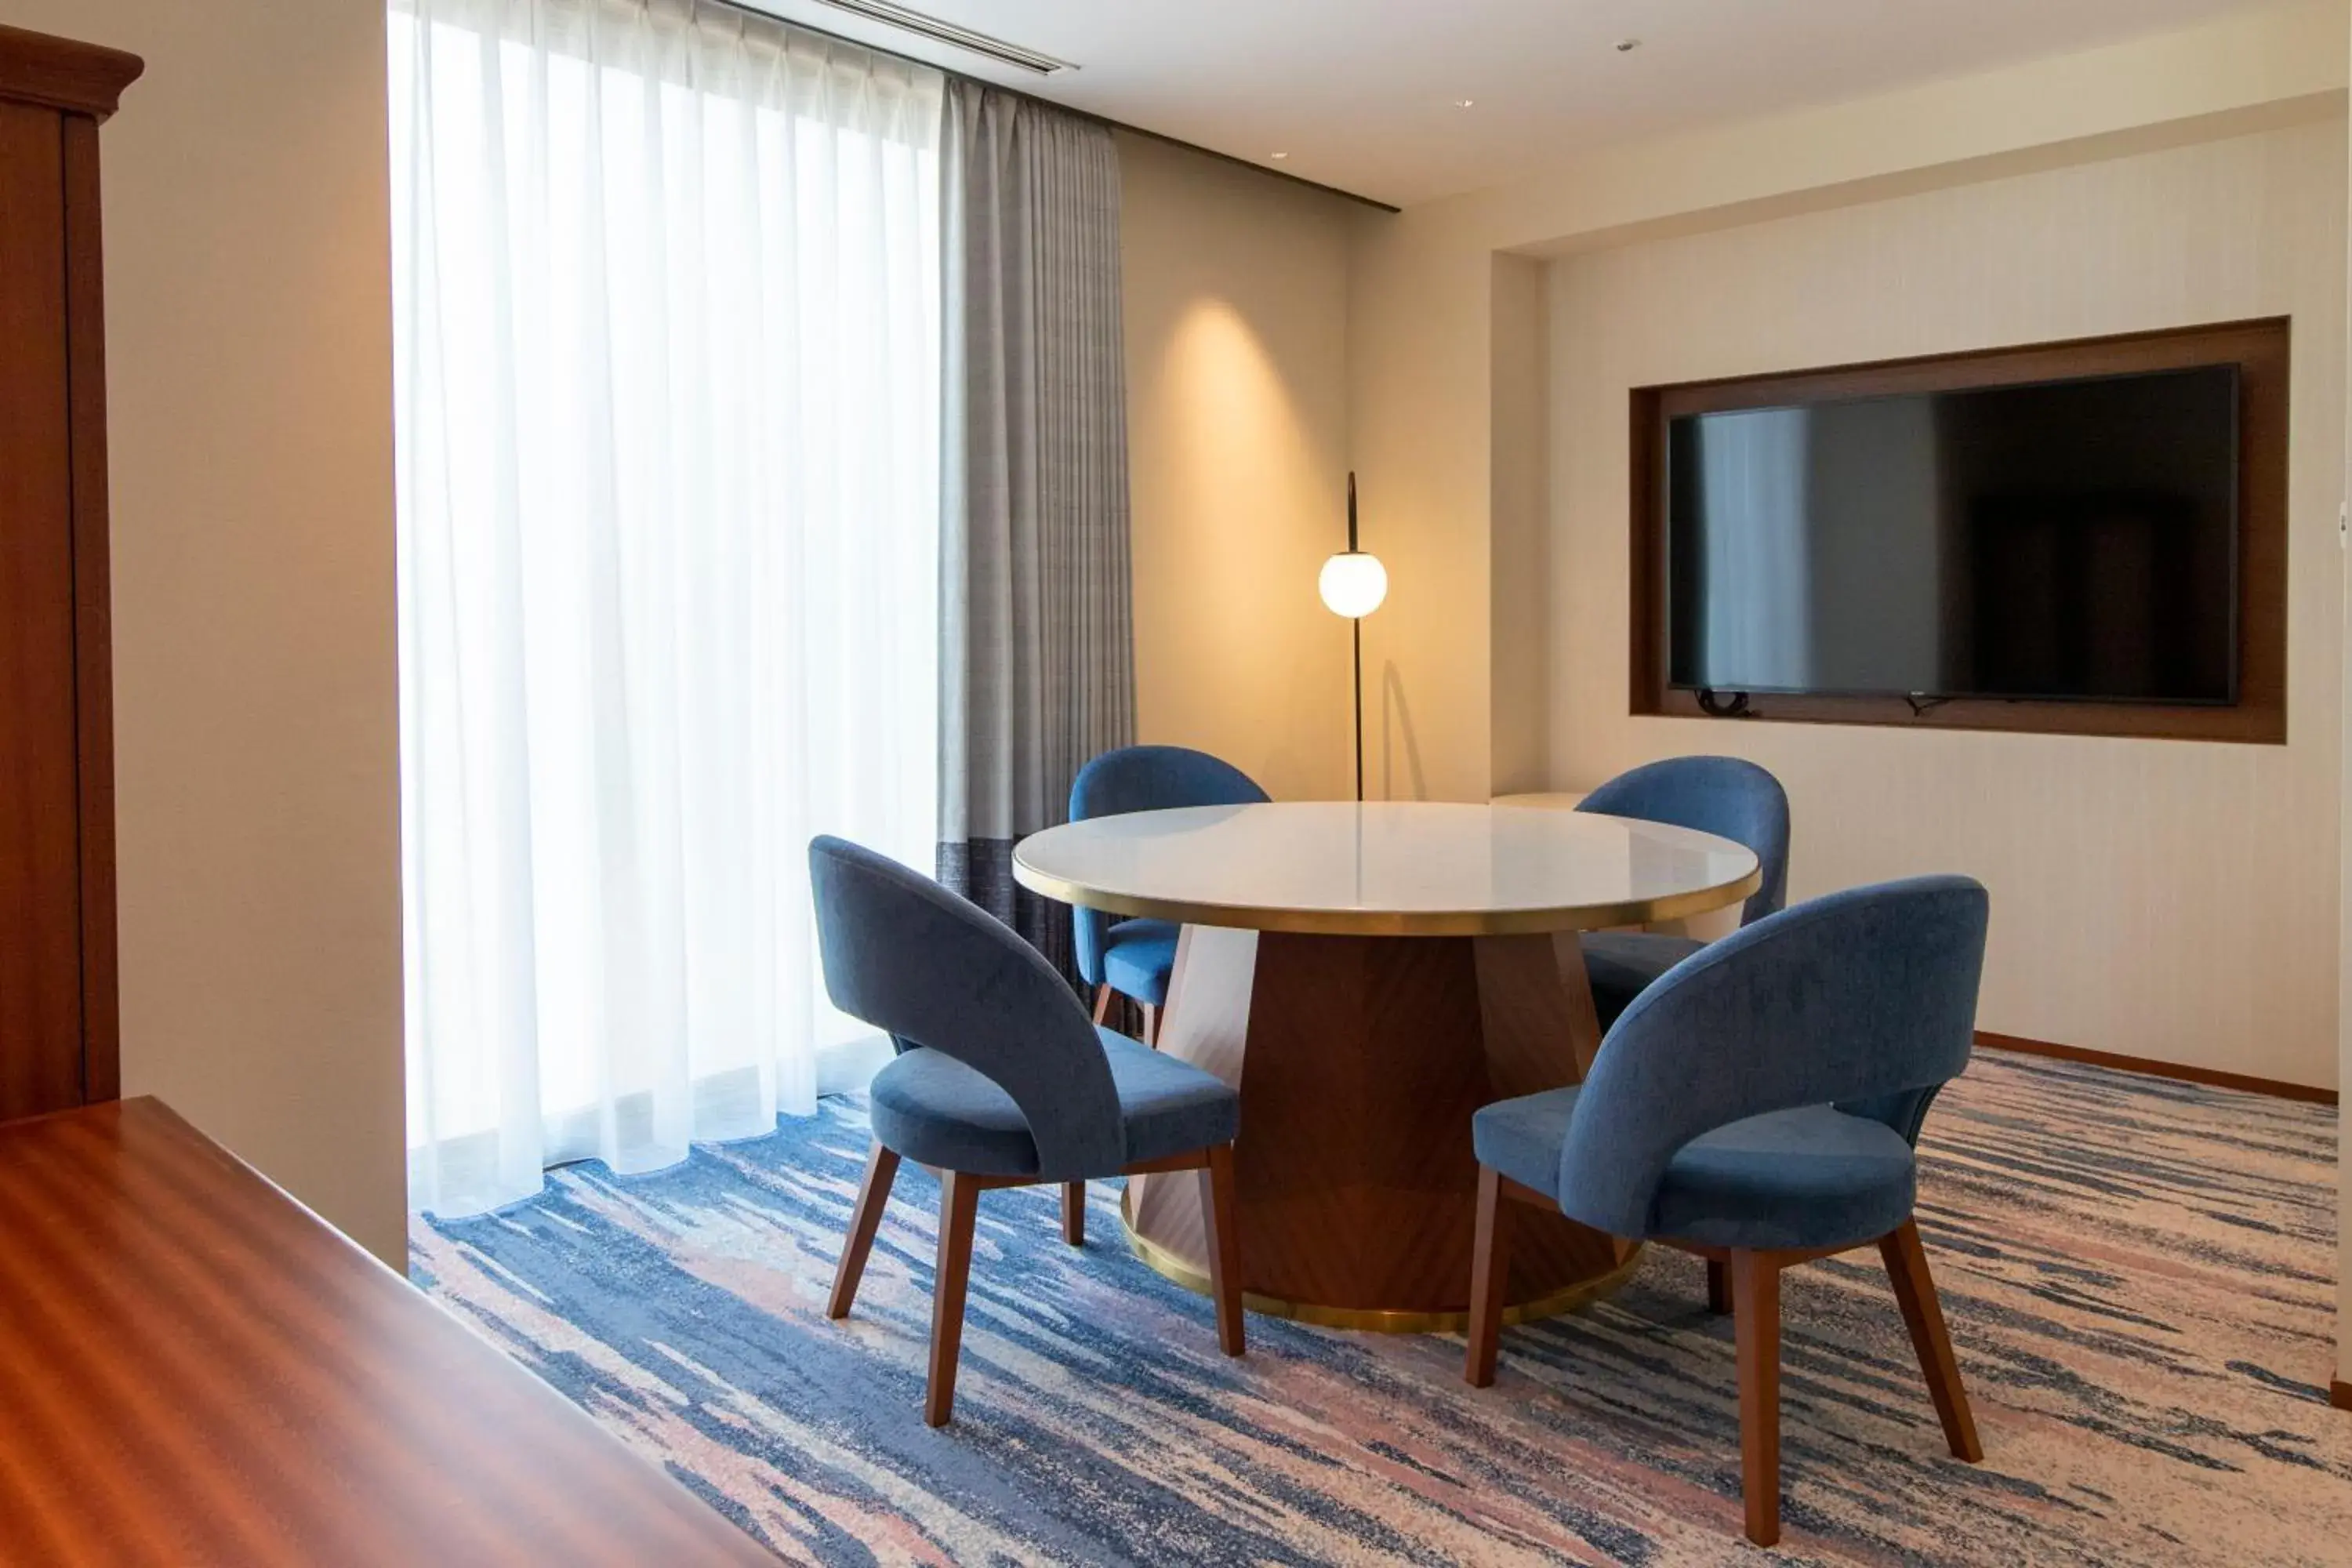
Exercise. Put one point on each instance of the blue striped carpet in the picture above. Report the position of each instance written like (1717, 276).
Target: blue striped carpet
(2140, 1277)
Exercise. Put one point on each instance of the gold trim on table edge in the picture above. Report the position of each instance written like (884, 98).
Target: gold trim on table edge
(1388, 922)
(1376, 1319)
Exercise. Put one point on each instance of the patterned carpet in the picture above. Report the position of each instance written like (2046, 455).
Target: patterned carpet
(2138, 1275)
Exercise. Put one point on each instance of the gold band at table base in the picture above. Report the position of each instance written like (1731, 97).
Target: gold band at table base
(1375, 1319)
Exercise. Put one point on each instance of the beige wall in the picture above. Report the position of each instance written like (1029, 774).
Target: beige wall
(2160, 899)
(1520, 396)
(255, 698)
(2344, 965)
(1238, 458)
(1422, 307)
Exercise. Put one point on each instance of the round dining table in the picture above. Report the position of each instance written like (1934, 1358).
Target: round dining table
(1367, 976)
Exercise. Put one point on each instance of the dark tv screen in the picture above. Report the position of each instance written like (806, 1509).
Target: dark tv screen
(2064, 540)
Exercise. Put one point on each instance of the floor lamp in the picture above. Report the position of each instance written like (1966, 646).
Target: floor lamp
(1353, 584)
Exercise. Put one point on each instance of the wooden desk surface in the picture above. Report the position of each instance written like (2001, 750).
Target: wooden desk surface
(194, 1369)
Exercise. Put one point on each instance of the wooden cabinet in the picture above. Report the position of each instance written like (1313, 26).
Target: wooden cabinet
(57, 1017)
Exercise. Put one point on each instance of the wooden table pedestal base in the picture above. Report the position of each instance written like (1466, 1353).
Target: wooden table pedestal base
(1359, 1060)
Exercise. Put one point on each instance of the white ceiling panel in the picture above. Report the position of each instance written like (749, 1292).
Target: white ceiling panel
(1365, 94)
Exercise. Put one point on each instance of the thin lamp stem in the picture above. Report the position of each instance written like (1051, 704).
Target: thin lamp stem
(1356, 629)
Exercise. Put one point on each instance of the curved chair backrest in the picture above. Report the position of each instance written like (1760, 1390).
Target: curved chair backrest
(1865, 995)
(911, 958)
(1146, 778)
(1726, 797)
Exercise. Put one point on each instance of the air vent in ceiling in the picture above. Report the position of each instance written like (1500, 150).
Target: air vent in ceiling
(949, 32)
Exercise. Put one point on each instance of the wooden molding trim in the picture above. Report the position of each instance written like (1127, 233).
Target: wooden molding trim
(2178, 1071)
(102, 1015)
(57, 73)
(2259, 348)
(2339, 1394)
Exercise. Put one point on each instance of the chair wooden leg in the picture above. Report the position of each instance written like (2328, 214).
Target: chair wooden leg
(1225, 1245)
(881, 1170)
(1756, 1326)
(1490, 1269)
(1915, 1292)
(1150, 1025)
(959, 1212)
(1074, 1212)
(1718, 1288)
(1102, 1002)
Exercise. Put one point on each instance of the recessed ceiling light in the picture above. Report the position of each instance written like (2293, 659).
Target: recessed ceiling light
(1627, 45)
(1277, 157)
(1463, 102)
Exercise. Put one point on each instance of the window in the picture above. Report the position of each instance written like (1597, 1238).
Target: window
(667, 326)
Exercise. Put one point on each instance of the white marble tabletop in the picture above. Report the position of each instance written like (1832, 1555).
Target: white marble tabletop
(1387, 868)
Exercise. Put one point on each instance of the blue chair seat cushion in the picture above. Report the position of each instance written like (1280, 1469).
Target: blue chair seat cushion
(1810, 1177)
(932, 1108)
(1140, 957)
(1621, 965)
(1522, 1137)
(1804, 1178)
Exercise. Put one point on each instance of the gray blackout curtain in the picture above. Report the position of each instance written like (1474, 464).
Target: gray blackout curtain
(1037, 665)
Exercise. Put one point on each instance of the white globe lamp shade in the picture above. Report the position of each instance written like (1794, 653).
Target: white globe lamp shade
(1353, 584)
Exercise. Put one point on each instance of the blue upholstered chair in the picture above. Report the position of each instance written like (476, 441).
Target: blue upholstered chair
(1135, 958)
(1000, 1081)
(1758, 1107)
(1723, 796)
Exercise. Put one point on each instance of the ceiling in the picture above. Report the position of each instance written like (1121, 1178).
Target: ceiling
(1364, 94)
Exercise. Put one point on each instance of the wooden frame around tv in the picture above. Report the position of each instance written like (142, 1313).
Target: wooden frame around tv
(2259, 350)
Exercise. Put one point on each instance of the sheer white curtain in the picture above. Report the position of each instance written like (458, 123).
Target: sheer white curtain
(666, 297)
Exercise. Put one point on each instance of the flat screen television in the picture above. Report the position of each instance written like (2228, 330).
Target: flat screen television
(2064, 540)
